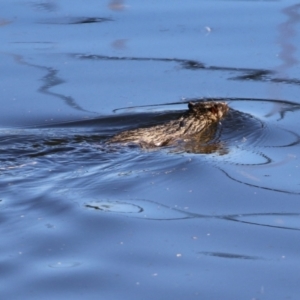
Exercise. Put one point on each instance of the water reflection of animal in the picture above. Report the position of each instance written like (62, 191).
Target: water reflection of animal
(197, 125)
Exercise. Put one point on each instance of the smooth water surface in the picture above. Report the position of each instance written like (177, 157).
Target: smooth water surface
(86, 219)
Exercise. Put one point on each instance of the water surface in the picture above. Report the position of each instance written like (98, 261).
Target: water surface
(87, 220)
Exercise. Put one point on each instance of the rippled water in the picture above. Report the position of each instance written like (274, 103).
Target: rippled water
(84, 219)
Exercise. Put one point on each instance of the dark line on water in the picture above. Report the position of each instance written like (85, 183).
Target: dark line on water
(249, 74)
(257, 186)
(295, 105)
(75, 20)
(260, 224)
(51, 80)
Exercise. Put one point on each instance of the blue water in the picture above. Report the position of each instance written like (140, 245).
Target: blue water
(84, 219)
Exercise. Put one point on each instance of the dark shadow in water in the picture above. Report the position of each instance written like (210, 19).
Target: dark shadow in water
(109, 125)
(247, 73)
(230, 255)
(75, 20)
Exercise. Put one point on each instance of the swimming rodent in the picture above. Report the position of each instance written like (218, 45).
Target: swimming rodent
(198, 123)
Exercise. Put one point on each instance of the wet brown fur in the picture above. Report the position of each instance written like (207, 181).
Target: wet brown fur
(198, 121)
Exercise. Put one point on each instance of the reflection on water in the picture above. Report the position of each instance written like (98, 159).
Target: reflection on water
(288, 49)
(287, 32)
(4, 22)
(120, 44)
(117, 5)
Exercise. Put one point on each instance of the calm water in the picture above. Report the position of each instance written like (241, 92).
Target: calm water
(84, 219)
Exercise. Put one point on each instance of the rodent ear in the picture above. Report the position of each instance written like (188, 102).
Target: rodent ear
(214, 109)
(191, 105)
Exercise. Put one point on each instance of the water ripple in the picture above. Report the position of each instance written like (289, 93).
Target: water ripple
(256, 145)
(151, 210)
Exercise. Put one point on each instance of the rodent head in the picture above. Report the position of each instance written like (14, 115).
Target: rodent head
(211, 110)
